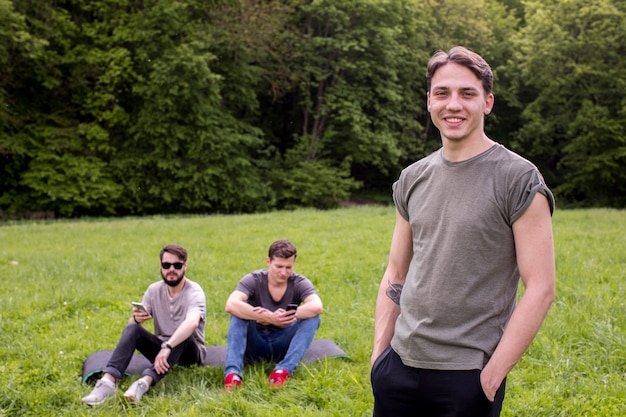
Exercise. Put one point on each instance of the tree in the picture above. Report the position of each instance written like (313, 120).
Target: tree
(186, 151)
(571, 58)
(17, 46)
(336, 89)
(357, 104)
(160, 106)
(55, 164)
(122, 113)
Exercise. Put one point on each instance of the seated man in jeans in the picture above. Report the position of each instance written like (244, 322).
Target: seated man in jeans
(262, 326)
(178, 307)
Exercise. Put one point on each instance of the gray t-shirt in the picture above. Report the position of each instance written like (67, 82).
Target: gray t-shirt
(461, 286)
(169, 312)
(254, 285)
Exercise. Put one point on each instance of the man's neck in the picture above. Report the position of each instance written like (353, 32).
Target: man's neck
(174, 291)
(274, 283)
(458, 151)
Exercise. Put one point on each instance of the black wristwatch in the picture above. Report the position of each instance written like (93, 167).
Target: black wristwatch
(166, 345)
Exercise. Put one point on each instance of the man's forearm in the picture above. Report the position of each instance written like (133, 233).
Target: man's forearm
(183, 332)
(312, 307)
(521, 330)
(307, 311)
(387, 311)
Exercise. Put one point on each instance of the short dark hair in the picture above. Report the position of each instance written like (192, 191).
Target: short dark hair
(282, 249)
(462, 56)
(175, 250)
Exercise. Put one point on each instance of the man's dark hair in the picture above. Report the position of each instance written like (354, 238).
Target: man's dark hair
(462, 56)
(282, 249)
(175, 250)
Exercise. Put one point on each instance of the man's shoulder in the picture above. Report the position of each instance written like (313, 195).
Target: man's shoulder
(417, 171)
(155, 286)
(194, 285)
(259, 274)
(302, 282)
(297, 277)
(425, 161)
(511, 160)
(253, 279)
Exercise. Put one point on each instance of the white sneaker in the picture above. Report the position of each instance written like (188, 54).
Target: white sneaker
(101, 392)
(136, 390)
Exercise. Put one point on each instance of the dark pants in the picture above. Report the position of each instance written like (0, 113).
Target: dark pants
(134, 337)
(401, 390)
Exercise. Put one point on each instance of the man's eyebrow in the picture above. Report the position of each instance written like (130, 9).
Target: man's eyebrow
(445, 87)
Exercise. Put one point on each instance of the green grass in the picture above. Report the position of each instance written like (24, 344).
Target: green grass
(68, 287)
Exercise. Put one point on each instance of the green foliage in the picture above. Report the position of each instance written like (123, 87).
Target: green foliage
(312, 183)
(357, 94)
(185, 154)
(595, 158)
(571, 57)
(72, 297)
(18, 48)
(78, 185)
(137, 107)
(57, 161)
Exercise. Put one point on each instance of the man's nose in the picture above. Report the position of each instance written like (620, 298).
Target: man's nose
(454, 102)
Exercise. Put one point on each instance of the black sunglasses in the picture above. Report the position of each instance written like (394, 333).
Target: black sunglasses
(176, 265)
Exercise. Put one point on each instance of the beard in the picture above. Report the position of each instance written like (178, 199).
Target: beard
(175, 282)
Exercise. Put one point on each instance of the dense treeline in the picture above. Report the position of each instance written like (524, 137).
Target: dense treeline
(114, 107)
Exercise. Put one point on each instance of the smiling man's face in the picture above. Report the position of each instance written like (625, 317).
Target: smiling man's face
(457, 103)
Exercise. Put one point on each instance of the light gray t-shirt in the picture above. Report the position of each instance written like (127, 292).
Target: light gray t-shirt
(169, 312)
(461, 285)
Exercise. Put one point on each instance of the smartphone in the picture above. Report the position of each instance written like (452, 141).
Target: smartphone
(291, 307)
(139, 306)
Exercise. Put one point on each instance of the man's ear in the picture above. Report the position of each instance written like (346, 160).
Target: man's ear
(489, 103)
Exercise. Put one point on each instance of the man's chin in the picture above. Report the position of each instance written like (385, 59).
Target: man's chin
(172, 283)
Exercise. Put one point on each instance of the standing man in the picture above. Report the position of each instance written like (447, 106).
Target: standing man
(471, 219)
(263, 326)
(178, 307)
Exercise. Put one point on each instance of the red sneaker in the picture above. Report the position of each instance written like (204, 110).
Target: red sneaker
(278, 377)
(231, 381)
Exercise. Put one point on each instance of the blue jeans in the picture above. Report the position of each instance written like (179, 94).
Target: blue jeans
(249, 344)
(134, 337)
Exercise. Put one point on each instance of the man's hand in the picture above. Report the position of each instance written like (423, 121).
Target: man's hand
(140, 315)
(489, 387)
(161, 365)
(264, 315)
(279, 318)
(284, 318)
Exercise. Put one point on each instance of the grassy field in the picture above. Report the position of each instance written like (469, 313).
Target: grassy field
(69, 285)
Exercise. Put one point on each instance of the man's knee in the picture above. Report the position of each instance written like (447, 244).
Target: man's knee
(133, 327)
(236, 322)
(313, 322)
(132, 331)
